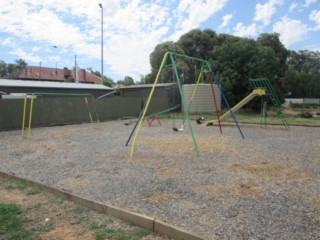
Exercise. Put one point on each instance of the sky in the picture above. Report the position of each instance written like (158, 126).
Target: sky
(53, 32)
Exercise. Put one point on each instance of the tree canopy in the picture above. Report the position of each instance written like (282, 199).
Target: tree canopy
(236, 60)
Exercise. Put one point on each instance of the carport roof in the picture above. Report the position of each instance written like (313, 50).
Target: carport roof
(45, 84)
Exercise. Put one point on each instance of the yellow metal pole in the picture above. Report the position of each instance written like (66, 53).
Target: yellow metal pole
(195, 89)
(90, 116)
(24, 115)
(147, 105)
(30, 116)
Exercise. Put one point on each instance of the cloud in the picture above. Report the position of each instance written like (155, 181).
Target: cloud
(315, 17)
(131, 29)
(7, 42)
(226, 19)
(309, 2)
(293, 7)
(291, 30)
(264, 12)
(25, 56)
(191, 13)
(245, 31)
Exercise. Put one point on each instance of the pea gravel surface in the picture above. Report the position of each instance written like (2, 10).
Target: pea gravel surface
(265, 186)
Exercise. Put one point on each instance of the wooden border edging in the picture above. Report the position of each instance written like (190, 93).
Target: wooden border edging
(155, 225)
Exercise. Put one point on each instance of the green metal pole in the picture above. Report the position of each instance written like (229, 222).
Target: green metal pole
(184, 104)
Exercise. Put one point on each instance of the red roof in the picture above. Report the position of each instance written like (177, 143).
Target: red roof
(57, 75)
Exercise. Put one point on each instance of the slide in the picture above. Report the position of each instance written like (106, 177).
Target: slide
(254, 93)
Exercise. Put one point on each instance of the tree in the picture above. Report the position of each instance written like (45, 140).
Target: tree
(3, 69)
(238, 61)
(20, 64)
(272, 40)
(127, 81)
(155, 61)
(302, 76)
(107, 81)
(199, 44)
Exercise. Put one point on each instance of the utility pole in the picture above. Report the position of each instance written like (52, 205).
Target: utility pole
(100, 5)
(56, 64)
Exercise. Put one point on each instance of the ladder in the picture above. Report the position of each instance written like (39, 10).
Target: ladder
(265, 84)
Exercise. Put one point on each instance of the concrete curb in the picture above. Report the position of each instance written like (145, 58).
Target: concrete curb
(155, 225)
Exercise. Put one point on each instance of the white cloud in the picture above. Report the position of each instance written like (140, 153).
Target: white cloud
(309, 2)
(293, 7)
(315, 17)
(191, 13)
(25, 56)
(264, 12)
(7, 42)
(226, 19)
(245, 31)
(35, 49)
(291, 31)
(131, 30)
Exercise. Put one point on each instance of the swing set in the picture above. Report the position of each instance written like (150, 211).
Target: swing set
(170, 60)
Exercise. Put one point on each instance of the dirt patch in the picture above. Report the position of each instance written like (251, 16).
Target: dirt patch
(235, 190)
(183, 144)
(272, 171)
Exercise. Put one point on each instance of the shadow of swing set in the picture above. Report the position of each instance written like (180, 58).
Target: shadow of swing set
(261, 87)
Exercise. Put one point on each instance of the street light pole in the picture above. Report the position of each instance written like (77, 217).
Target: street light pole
(56, 64)
(101, 42)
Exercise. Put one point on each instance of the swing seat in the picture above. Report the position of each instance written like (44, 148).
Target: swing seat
(200, 120)
(178, 129)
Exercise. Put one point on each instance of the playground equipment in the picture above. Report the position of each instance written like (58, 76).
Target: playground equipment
(169, 60)
(261, 87)
(151, 116)
(264, 83)
(254, 93)
(147, 117)
(33, 95)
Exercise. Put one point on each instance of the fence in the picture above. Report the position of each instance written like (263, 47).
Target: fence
(60, 111)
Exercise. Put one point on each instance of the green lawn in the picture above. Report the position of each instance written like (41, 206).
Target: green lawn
(292, 117)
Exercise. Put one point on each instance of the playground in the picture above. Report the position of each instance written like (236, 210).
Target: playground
(262, 187)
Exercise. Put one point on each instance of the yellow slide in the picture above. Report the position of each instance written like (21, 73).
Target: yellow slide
(254, 93)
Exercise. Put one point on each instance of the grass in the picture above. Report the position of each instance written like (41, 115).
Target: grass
(32, 191)
(11, 223)
(293, 117)
(40, 214)
(118, 234)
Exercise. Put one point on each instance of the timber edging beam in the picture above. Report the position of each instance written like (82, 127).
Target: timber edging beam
(153, 224)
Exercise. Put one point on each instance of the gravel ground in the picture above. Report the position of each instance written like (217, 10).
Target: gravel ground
(265, 186)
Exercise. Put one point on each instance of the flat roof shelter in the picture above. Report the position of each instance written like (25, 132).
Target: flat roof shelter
(9, 86)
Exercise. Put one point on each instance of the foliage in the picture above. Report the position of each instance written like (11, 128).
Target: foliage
(107, 83)
(235, 60)
(156, 58)
(70, 79)
(302, 77)
(238, 61)
(12, 69)
(127, 81)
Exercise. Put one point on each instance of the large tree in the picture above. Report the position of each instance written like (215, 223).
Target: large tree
(238, 61)
(156, 58)
(302, 78)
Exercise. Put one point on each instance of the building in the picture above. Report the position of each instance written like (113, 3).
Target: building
(165, 91)
(16, 87)
(38, 73)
